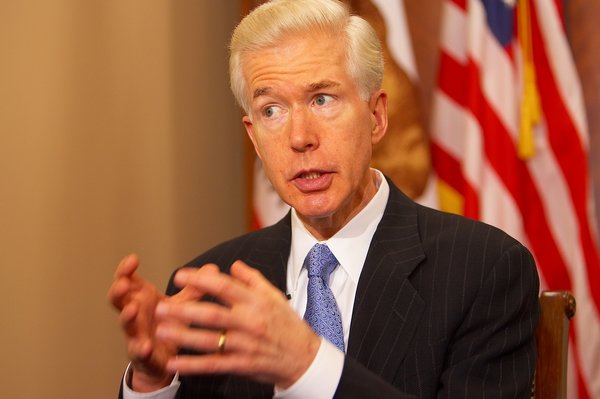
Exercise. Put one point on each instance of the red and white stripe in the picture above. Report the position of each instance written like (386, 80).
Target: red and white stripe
(544, 201)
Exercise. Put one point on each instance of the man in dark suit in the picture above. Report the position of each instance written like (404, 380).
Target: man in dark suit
(416, 303)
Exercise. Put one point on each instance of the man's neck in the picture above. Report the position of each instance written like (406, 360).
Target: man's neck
(323, 228)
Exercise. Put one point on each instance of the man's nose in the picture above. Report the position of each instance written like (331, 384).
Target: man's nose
(304, 135)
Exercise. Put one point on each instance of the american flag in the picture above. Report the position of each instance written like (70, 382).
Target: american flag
(510, 147)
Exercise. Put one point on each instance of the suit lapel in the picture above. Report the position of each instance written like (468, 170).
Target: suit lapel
(387, 308)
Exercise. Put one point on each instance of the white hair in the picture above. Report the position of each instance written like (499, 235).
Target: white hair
(267, 24)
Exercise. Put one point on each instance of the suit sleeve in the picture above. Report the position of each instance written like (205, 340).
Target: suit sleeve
(493, 350)
(491, 353)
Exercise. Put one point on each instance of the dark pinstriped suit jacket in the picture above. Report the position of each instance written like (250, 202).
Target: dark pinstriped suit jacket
(446, 307)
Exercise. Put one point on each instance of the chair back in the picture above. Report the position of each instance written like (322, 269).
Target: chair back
(552, 334)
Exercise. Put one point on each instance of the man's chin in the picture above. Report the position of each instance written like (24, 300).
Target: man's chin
(314, 208)
(314, 214)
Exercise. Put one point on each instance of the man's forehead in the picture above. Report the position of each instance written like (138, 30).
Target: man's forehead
(308, 87)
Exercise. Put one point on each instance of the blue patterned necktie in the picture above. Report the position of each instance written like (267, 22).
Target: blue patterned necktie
(322, 312)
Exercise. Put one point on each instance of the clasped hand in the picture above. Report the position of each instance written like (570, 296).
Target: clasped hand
(264, 338)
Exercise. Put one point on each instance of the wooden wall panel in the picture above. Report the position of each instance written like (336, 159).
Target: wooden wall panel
(584, 35)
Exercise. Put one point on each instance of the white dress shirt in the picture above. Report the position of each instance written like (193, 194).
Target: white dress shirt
(350, 246)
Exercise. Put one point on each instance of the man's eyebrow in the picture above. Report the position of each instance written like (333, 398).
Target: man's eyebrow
(261, 91)
(316, 86)
(323, 84)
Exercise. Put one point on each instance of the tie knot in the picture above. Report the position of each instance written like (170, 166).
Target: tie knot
(320, 262)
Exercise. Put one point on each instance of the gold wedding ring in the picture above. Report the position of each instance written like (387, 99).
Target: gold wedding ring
(221, 344)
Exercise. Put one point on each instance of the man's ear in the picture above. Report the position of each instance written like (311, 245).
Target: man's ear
(250, 131)
(379, 116)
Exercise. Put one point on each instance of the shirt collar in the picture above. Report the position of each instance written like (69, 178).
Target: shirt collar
(349, 245)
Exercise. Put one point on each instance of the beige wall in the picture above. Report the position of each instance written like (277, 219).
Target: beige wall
(117, 134)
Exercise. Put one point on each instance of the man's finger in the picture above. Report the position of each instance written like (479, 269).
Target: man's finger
(206, 314)
(184, 274)
(199, 339)
(189, 292)
(255, 281)
(220, 285)
(128, 318)
(118, 291)
(248, 275)
(127, 266)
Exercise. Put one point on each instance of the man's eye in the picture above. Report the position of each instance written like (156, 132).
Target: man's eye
(322, 99)
(270, 111)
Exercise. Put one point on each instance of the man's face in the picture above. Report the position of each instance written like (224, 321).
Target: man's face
(311, 129)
